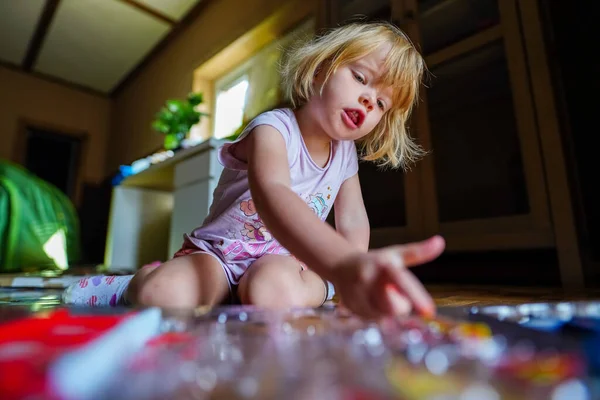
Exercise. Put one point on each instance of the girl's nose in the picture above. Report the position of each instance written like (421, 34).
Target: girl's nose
(367, 103)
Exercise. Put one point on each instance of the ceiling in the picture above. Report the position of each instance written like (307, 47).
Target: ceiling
(91, 44)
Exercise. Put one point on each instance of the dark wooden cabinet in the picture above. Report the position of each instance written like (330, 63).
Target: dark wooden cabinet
(495, 178)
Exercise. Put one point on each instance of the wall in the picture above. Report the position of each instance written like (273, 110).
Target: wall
(25, 97)
(265, 92)
(171, 73)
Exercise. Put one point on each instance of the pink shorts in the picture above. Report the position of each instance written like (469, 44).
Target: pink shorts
(233, 271)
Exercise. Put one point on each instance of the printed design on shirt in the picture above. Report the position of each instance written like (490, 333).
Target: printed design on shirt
(256, 240)
(248, 207)
(253, 233)
(254, 230)
(317, 203)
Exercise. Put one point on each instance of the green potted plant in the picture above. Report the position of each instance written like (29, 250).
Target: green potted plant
(176, 119)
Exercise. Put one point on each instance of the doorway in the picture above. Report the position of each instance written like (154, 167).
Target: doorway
(54, 157)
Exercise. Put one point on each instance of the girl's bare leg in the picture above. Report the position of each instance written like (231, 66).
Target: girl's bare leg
(278, 282)
(184, 282)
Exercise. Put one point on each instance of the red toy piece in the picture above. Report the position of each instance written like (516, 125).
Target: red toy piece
(28, 347)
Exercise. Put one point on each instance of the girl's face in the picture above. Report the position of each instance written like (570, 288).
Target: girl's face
(353, 99)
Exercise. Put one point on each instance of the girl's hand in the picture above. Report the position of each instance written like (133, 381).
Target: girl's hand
(378, 283)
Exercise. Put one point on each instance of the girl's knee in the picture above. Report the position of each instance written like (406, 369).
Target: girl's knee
(133, 292)
(165, 290)
(156, 290)
(271, 286)
(185, 282)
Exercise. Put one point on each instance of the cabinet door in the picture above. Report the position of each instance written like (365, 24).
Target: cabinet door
(190, 206)
(138, 227)
(496, 171)
(195, 180)
(483, 185)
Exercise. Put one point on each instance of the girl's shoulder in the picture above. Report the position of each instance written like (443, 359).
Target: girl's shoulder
(282, 119)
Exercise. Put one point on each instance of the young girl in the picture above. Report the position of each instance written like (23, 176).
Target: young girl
(265, 241)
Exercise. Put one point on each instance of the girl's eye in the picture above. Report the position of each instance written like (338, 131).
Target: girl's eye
(359, 78)
(380, 104)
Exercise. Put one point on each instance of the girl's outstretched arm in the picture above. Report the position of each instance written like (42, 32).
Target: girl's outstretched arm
(371, 284)
(351, 219)
(284, 213)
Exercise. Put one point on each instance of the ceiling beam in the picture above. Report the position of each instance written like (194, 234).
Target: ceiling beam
(175, 31)
(35, 44)
(156, 14)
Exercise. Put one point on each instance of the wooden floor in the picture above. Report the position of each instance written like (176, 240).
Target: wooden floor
(454, 295)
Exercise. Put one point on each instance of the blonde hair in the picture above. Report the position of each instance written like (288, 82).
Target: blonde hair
(389, 144)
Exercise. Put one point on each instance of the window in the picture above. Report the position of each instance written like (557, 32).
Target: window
(230, 104)
(236, 93)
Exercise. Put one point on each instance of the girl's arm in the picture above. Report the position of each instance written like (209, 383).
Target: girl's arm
(284, 213)
(371, 284)
(351, 219)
